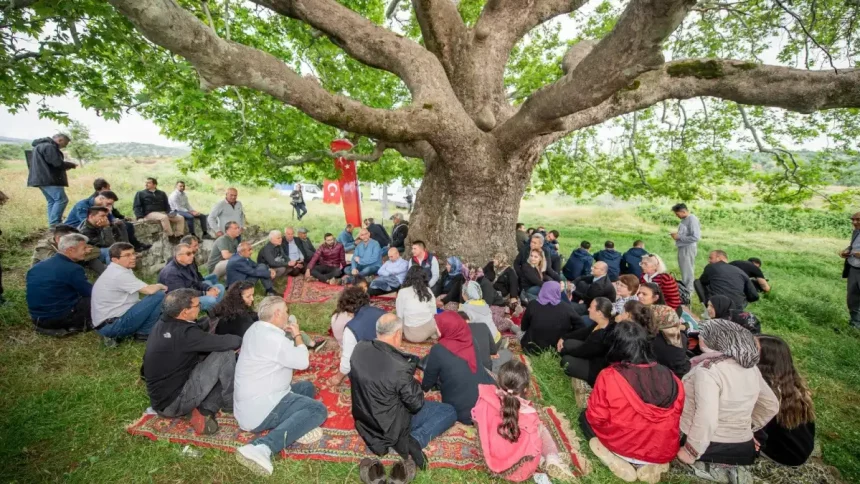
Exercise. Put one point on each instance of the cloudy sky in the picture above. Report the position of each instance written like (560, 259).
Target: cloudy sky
(132, 127)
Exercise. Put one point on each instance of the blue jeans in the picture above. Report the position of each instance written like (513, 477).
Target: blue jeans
(209, 302)
(301, 210)
(57, 201)
(431, 421)
(294, 416)
(189, 221)
(368, 270)
(211, 280)
(139, 319)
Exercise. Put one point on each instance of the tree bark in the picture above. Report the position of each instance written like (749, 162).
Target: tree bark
(470, 211)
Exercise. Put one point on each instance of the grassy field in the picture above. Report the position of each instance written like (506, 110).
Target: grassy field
(64, 403)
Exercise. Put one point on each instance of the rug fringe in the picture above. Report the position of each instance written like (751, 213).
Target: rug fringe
(572, 440)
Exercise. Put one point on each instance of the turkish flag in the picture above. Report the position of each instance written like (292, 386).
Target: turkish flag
(331, 192)
(348, 184)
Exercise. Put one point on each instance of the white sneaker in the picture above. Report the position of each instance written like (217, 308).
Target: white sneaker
(311, 437)
(257, 458)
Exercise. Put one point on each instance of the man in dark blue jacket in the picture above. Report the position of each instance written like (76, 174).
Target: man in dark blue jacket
(58, 292)
(48, 172)
(632, 258)
(240, 267)
(181, 273)
(580, 262)
(612, 258)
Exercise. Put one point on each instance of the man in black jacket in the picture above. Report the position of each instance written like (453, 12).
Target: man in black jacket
(722, 278)
(101, 185)
(591, 287)
(181, 273)
(305, 244)
(275, 257)
(48, 172)
(98, 229)
(399, 232)
(387, 401)
(178, 381)
(152, 204)
(377, 233)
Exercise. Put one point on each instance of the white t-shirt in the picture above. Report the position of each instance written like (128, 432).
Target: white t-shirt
(114, 293)
(412, 310)
(264, 372)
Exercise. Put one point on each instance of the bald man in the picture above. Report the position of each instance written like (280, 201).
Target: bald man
(227, 210)
(591, 287)
(391, 274)
(851, 271)
(240, 267)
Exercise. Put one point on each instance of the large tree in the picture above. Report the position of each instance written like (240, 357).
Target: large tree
(474, 90)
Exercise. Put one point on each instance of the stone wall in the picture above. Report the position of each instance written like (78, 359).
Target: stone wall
(154, 259)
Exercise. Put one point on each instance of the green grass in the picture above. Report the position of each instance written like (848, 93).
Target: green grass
(64, 403)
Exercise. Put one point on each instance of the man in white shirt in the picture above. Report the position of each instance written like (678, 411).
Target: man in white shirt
(179, 203)
(116, 307)
(264, 397)
(226, 211)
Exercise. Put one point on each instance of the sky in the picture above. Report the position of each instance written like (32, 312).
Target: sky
(131, 128)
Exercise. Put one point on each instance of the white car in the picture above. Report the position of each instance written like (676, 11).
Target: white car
(311, 192)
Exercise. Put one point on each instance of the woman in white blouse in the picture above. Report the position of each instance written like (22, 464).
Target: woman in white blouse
(416, 306)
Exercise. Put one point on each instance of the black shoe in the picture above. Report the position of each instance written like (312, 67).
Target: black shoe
(417, 454)
(56, 333)
(141, 338)
(206, 236)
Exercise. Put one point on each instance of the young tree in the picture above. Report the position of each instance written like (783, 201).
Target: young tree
(82, 147)
(478, 91)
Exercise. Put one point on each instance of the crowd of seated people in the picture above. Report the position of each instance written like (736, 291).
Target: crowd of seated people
(713, 392)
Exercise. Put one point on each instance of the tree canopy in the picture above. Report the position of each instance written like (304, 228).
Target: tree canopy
(661, 108)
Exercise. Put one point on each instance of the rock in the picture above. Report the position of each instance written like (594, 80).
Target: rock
(154, 259)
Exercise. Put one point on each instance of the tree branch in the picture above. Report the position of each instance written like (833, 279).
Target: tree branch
(799, 90)
(505, 22)
(320, 155)
(15, 4)
(634, 47)
(370, 44)
(222, 63)
(443, 30)
(808, 34)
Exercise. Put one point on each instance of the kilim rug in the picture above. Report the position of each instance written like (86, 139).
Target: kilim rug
(304, 290)
(458, 448)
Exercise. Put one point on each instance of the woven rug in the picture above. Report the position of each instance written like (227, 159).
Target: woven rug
(458, 448)
(303, 290)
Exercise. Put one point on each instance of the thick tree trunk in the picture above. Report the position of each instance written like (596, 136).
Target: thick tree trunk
(469, 208)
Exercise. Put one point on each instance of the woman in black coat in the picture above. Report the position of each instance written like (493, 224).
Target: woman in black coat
(504, 277)
(547, 319)
(583, 353)
(235, 312)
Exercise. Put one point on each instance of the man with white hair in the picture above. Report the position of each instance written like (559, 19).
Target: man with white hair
(591, 287)
(58, 292)
(272, 254)
(227, 210)
(387, 401)
(240, 267)
(265, 397)
(295, 256)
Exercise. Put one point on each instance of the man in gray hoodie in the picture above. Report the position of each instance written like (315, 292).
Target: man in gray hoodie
(686, 240)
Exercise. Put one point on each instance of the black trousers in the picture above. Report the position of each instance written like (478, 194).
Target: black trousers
(740, 454)
(574, 367)
(78, 318)
(853, 298)
(324, 273)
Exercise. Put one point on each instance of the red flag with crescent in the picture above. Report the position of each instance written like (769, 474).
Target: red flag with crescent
(331, 192)
(348, 183)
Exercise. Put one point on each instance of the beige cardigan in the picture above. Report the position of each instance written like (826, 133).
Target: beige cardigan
(725, 403)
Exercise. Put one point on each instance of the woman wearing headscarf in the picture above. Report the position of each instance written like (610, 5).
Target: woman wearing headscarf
(546, 320)
(503, 277)
(452, 365)
(478, 310)
(450, 283)
(498, 304)
(726, 401)
(654, 270)
(722, 307)
(668, 341)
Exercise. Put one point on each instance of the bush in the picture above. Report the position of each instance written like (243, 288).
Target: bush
(768, 218)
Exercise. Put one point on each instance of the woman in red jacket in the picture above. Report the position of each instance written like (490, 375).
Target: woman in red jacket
(654, 270)
(633, 414)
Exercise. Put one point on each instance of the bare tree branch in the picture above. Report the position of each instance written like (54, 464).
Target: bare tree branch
(808, 34)
(222, 63)
(320, 155)
(799, 90)
(634, 45)
(631, 147)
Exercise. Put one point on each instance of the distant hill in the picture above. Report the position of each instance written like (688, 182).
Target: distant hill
(14, 141)
(134, 150)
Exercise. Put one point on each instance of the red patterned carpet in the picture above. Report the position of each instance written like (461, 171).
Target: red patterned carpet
(458, 448)
(303, 290)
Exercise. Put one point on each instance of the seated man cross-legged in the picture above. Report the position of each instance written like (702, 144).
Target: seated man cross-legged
(265, 396)
(387, 401)
(224, 248)
(58, 292)
(328, 261)
(391, 274)
(242, 268)
(367, 258)
(187, 368)
(274, 256)
(181, 273)
(117, 309)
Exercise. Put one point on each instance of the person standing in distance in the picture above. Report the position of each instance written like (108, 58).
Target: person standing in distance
(686, 240)
(48, 173)
(851, 271)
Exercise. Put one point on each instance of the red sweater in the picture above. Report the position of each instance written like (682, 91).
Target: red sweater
(329, 256)
(669, 288)
(630, 427)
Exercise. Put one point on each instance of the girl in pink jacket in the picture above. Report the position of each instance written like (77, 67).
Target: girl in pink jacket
(513, 439)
